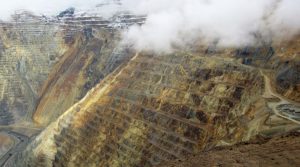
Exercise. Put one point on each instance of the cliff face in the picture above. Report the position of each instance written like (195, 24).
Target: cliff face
(158, 108)
(28, 51)
(95, 52)
(48, 65)
(105, 105)
(287, 77)
(85, 64)
(278, 151)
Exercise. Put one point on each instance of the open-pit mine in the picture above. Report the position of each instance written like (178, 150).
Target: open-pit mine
(72, 94)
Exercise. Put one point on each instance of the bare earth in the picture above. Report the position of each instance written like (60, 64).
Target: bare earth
(6, 142)
(281, 151)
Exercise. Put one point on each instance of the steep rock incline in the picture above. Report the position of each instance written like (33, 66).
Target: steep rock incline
(287, 77)
(48, 60)
(281, 61)
(106, 106)
(90, 58)
(28, 50)
(155, 109)
(279, 151)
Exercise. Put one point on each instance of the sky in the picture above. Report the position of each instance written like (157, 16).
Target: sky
(48, 7)
(181, 22)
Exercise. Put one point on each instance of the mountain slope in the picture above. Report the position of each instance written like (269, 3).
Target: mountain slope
(158, 108)
(258, 153)
(98, 102)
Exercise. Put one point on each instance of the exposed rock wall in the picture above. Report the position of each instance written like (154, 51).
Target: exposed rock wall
(104, 105)
(287, 77)
(279, 151)
(28, 52)
(85, 64)
(49, 65)
(155, 109)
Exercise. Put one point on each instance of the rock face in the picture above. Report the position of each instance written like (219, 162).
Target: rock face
(48, 65)
(94, 52)
(84, 65)
(258, 153)
(157, 109)
(103, 104)
(28, 50)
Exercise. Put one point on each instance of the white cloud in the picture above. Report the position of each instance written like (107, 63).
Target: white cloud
(178, 22)
(49, 7)
(231, 22)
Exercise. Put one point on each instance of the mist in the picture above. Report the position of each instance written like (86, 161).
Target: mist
(46, 7)
(230, 23)
(178, 23)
